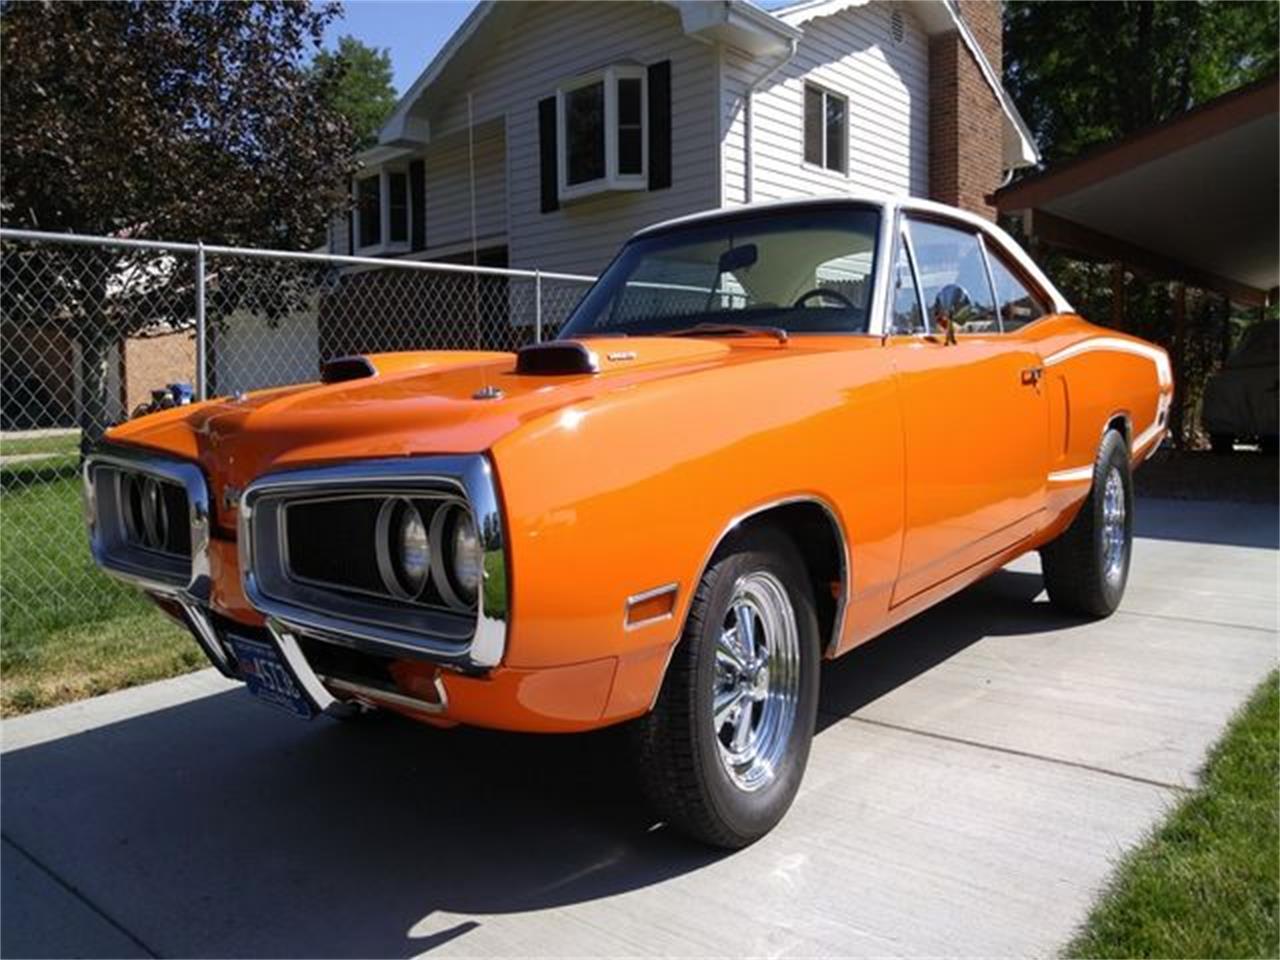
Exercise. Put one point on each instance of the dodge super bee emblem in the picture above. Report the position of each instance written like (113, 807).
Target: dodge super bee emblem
(622, 355)
(230, 496)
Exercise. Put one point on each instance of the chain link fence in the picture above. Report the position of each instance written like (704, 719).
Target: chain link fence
(90, 327)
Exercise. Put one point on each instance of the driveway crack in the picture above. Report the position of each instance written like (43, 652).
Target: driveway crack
(1012, 751)
(79, 895)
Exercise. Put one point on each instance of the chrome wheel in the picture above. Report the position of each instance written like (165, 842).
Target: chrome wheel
(1113, 527)
(757, 680)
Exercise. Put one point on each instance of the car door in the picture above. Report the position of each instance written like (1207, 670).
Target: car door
(974, 413)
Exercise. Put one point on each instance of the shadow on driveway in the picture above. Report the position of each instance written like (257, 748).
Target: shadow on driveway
(1222, 523)
(221, 828)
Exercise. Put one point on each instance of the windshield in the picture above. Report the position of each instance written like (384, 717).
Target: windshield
(806, 270)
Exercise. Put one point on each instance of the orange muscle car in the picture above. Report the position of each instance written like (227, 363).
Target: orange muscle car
(764, 436)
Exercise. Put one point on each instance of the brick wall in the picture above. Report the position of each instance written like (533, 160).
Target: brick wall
(965, 120)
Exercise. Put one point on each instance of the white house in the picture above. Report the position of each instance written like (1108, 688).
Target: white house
(545, 133)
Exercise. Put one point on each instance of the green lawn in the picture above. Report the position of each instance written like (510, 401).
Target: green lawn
(1207, 882)
(66, 630)
(64, 444)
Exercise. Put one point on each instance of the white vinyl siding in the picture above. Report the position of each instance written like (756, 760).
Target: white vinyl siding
(853, 55)
(448, 191)
(553, 42)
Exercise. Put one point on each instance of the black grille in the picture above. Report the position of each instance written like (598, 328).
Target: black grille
(156, 514)
(333, 542)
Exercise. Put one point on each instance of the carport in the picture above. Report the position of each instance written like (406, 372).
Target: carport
(1192, 200)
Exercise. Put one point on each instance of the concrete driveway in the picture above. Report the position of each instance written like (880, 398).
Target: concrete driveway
(978, 772)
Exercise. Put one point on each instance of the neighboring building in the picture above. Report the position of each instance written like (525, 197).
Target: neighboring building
(543, 134)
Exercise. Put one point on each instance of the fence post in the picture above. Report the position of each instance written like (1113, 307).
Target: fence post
(537, 306)
(202, 382)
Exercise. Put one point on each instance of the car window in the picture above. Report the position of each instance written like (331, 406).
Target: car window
(805, 271)
(1018, 305)
(953, 278)
(907, 315)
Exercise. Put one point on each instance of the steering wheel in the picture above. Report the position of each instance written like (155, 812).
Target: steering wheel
(824, 292)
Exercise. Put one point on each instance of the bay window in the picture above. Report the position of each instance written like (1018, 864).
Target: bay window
(603, 138)
(369, 211)
(383, 214)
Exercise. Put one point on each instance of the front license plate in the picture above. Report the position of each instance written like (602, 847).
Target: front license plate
(269, 677)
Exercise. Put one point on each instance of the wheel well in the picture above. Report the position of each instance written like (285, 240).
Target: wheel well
(818, 537)
(1120, 423)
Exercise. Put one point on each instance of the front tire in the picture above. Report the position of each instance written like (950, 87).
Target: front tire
(1222, 444)
(722, 753)
(1087, 566)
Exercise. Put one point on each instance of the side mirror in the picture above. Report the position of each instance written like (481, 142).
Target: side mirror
(951, 306)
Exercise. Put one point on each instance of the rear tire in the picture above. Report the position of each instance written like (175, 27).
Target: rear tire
(1222, 444)
(1087, 566)
(722, 753)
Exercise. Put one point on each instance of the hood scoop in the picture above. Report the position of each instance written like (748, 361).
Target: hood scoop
(342, 369)
(556, 358)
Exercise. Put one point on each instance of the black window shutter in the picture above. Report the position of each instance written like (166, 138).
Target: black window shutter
(351, 232)
(547, 154)
(417, 205)
(660, 125)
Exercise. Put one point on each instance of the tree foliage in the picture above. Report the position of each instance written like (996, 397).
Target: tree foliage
(1085, 73)
(188, 121)
(192, 120)
(363, 92)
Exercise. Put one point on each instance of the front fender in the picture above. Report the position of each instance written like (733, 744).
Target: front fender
(623, 494)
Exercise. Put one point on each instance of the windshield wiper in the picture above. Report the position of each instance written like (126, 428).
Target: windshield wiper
(712, 329)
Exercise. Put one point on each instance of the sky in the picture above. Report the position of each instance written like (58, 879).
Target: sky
(413, 31)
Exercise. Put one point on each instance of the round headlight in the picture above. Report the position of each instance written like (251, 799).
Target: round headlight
(468, 558)
(415, 549)
(155, 514)
(459, 558)
(404, 550)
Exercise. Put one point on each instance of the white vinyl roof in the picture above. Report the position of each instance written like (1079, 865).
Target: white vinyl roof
(889, 205)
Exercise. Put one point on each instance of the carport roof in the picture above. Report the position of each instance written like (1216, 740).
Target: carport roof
(1194, 199)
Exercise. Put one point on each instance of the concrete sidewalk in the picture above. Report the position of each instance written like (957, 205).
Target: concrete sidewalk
(978, 772)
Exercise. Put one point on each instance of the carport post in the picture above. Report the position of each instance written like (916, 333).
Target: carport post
(202, 386)
(1117, 296)
(537, 306)
(1179, 351)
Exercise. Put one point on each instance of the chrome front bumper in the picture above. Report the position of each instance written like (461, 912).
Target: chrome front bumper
(187, 592)
(356, 695)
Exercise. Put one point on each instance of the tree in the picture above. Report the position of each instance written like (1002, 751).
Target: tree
(363, 93)
(157, 120)
(1086, 73)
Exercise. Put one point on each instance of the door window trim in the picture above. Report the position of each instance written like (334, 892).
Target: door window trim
(991, 282)
(1012, 265)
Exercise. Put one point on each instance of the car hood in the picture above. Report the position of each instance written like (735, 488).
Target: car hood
(431, 402)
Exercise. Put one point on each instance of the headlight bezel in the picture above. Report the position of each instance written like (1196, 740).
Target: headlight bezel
(471, 636)
(178, 568)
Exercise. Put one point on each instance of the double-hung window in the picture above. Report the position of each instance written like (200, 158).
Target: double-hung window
(369, 210)
(383, 214)
(602, 134)
(826, 129)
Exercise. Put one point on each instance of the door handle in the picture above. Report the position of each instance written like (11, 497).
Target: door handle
(1031, 376)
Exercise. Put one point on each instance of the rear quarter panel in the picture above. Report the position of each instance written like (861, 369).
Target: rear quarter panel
(1092, 376)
